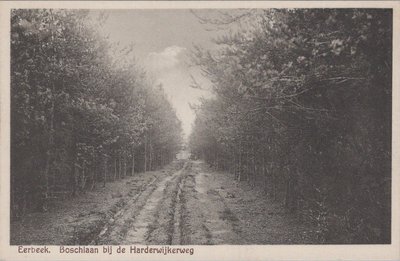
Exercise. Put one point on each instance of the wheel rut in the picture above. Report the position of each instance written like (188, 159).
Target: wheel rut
(174, 208)
(138, 222)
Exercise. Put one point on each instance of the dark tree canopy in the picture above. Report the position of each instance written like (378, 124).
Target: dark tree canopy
(78, 116)
(303, 106)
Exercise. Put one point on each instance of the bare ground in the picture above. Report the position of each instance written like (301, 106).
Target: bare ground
(185, 203)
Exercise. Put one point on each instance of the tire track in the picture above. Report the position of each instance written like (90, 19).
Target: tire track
(165, 228)
(143, 229)
(219, 223)
(117, 226)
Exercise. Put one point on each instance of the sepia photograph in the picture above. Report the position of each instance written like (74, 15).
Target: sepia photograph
(163, 129)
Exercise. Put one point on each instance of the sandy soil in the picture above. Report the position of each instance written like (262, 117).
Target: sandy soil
(185, 203)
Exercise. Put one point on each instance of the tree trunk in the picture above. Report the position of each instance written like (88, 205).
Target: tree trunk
(82, 177)
(274, 187)
(124, 163)
(104, 171)
(253, 169)
(150, 155)
(45, 192)
(133, 162)
(74, 176)
(115, 168)
(216, 160)
(94, 172)
(119, 166)
(145, 153)
(263, 172)
(240, 164)
(247, 164)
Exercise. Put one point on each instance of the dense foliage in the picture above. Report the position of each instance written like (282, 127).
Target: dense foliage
(302, 107)
(78, 114)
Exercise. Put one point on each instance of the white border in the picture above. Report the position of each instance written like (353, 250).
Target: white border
(268, 252)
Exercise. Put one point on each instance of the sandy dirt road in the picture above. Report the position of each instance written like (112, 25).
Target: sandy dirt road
(186, 203)
(194, 205)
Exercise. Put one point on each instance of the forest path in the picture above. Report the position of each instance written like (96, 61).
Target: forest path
(179, 207)
(197, 206)
(186, 203)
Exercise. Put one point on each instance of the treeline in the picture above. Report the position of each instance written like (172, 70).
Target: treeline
(79, 114)
(302, 107)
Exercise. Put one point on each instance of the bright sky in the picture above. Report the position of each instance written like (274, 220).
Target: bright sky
(162, 40)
